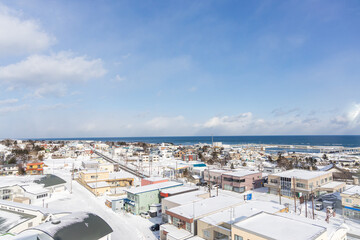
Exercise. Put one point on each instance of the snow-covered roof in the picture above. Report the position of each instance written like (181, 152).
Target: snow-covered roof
(29, 207)
(206, 206)
(93, 171)
(174, 232)
(178, 190)
(99, 184)
(300, 174)
(35, 189)
(241, 173)
(186, 197)
(326, 168)
(278, 227)
(241, 212)
(9, 219)
(154, 179)
(352, 190)
(120, 174)
(78, 225)
(333, 184)
(152, 187)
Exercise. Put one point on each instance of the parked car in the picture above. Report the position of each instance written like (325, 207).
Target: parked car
(201, 184)
(319, 206)
(145, 215)
(155, 227)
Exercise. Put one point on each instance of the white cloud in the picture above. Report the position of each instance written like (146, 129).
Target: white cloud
(117, 78)
(60, 67)
(9, 101)
(4, 110)
(161, 123)
(19, 36)
(50, 74)
(350, 119)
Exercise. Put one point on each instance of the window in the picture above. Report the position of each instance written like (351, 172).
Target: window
(206, 233)
(6, 197)
(237, 237)
(273, 181)
(348, 200)
(42, 196)
(30, 224)
(300, 185)
(188, 227)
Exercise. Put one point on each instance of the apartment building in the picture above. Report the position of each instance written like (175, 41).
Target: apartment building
(186, 216)
(35, 168)
(350, 200)
(264, 226)
(241, 181)
(302, 182)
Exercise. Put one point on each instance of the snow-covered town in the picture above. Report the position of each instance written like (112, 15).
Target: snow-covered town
(136, 190)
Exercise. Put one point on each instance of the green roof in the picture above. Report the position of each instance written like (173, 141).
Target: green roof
(50, 180)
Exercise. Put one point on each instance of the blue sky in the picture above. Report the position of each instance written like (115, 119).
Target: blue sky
(164, 68)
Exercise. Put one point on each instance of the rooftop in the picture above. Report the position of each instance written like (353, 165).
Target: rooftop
(241, 212)
(79, 226)
(241, 173)
(28, 207)
(353, 190)
(177, 233)
(205, 206)
(278, 227)
(152, 187)
(9, 219)
(178, 190)
(300, 174)
(187, 197)
(50, 180)
(153, 179)
(333, 184)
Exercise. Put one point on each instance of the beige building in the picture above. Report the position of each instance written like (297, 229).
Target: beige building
(100, 182)
(302, 182)
(264, 226)
(218, 225)
(350, 200)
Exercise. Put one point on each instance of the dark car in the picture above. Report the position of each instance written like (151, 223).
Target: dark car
(155, 227)
(201, 184)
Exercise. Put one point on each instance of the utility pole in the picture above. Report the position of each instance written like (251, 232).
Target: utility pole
(279, 191)
(305, 198)
(294, 194)
(209, 181)
(312, 199)
(176, 169)
(72, 178)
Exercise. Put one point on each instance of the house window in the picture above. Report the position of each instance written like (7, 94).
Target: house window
(188, 227)
(300, 185)
(273, 181)
(206, 233)
(6, 197)
(348, 200)
(237, 237)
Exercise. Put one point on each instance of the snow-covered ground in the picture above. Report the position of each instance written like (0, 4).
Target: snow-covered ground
(124, 225)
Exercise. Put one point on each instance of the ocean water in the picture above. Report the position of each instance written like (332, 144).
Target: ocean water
(308, 140)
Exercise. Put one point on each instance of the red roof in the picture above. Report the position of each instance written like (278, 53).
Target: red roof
(30, 164)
